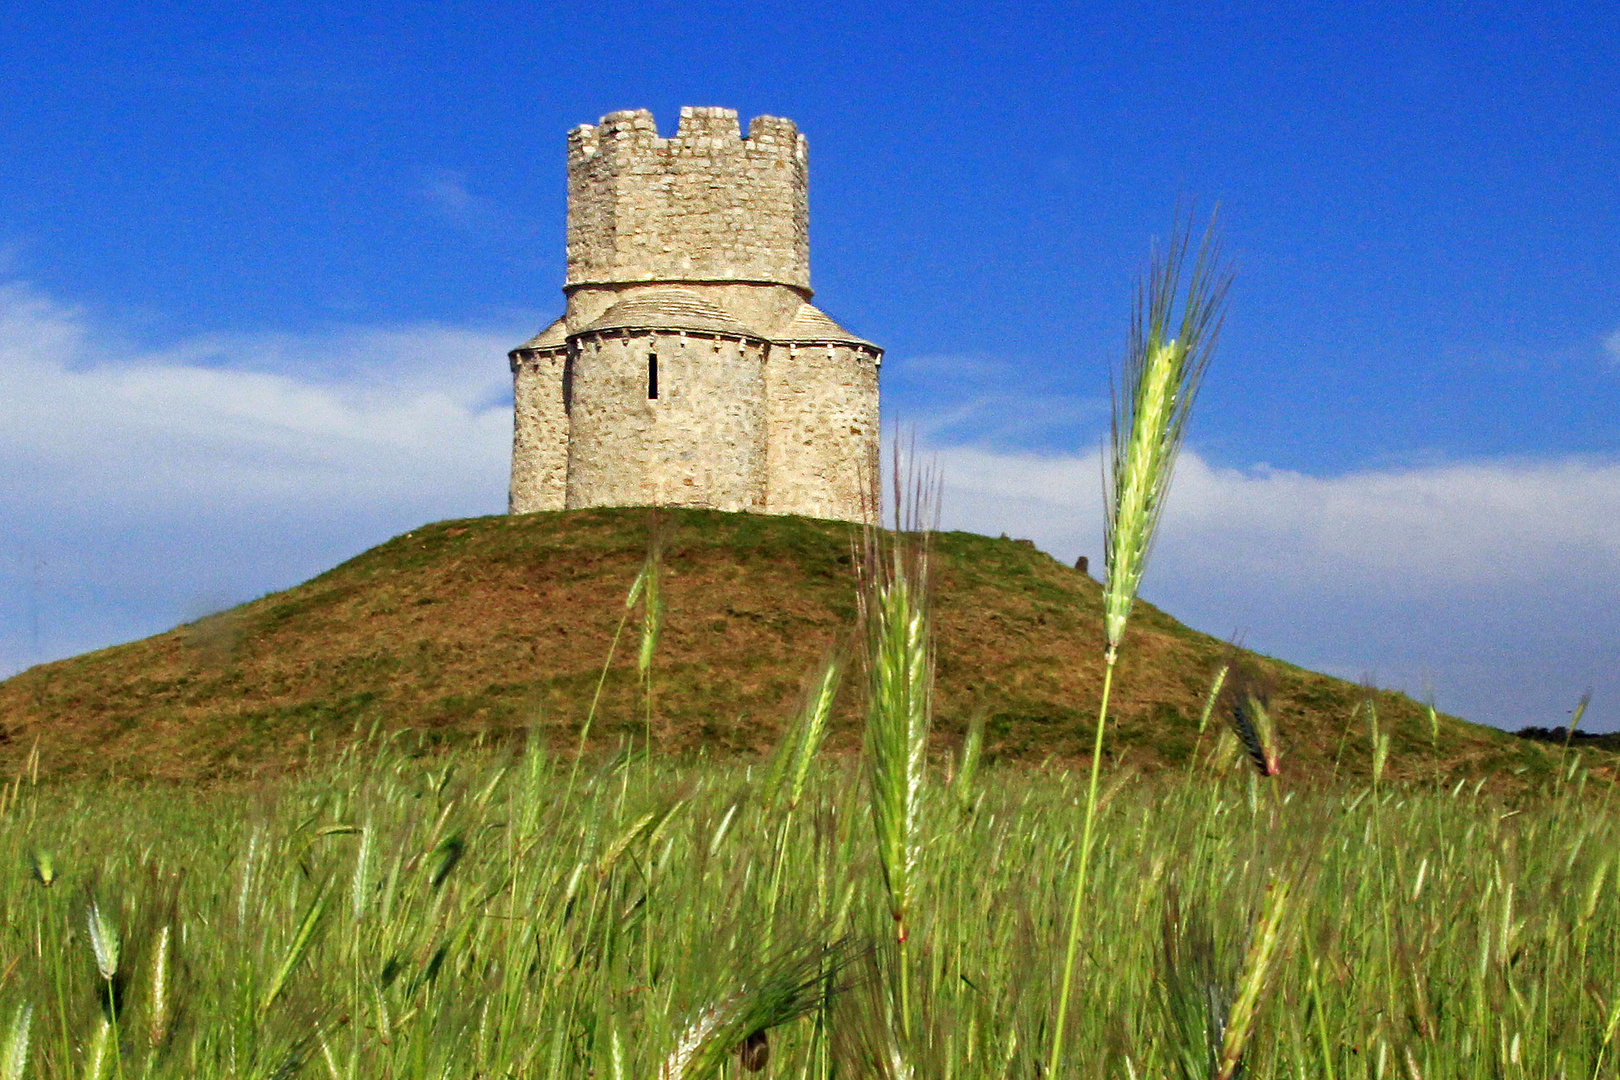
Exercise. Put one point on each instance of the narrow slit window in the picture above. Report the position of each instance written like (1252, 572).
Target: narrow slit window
(652, 376)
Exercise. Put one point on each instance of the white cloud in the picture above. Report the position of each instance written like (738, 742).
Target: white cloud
(231, 422)
(1429, 528)
(222, 467)
(1611, 345)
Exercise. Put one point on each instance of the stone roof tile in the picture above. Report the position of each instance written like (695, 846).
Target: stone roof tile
(670, 309)
(810, 323)
(552, 337)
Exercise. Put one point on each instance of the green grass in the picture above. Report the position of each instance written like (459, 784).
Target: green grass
(401, 914)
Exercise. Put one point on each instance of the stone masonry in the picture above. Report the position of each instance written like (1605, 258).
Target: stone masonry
(690, 368)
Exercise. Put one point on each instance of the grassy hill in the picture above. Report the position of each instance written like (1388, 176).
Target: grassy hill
(480, 629)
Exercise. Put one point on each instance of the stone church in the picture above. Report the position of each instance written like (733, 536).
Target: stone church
(690, 368)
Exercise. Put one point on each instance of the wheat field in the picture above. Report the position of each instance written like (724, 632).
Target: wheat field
(494, 914)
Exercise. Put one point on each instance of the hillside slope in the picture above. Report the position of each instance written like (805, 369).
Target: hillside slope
(484, 627)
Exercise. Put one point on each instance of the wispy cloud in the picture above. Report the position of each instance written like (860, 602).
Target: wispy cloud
(448, 193)
(972, 400)
(1611, 345)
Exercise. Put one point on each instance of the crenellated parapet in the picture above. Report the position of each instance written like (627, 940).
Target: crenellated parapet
(706, 205)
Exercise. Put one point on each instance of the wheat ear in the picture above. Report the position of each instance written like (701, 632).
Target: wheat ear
(14, 1055)
(897, 628)
(1164, 367)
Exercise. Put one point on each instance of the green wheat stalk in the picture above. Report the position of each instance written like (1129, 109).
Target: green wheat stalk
(1258, 964)
(1569, 734)
(1216, 684)
(1379, 743)
(160, 1008)
(14, 1054)
(296, 950)
(787, 986)
(1164, 366)
(636, 588)
(105, 942)
(817, 712)
(897, 626)
(790, 766)
(98, 1056)
(652, 625)
(967, 770)
(1212, 1022)
(1575, 718)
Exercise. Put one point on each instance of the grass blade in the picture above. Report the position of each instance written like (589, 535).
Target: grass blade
(296, 950)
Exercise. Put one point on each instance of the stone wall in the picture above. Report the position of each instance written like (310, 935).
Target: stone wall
(822, 428)
(700, 443)
(705, 205)
(539, 431)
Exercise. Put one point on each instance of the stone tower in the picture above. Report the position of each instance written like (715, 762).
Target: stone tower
(690, 368)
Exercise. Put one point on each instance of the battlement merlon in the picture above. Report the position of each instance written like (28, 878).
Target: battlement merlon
(638, 127)
(706, 204)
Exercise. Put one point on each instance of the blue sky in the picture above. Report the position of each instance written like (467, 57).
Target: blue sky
(258, 270)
